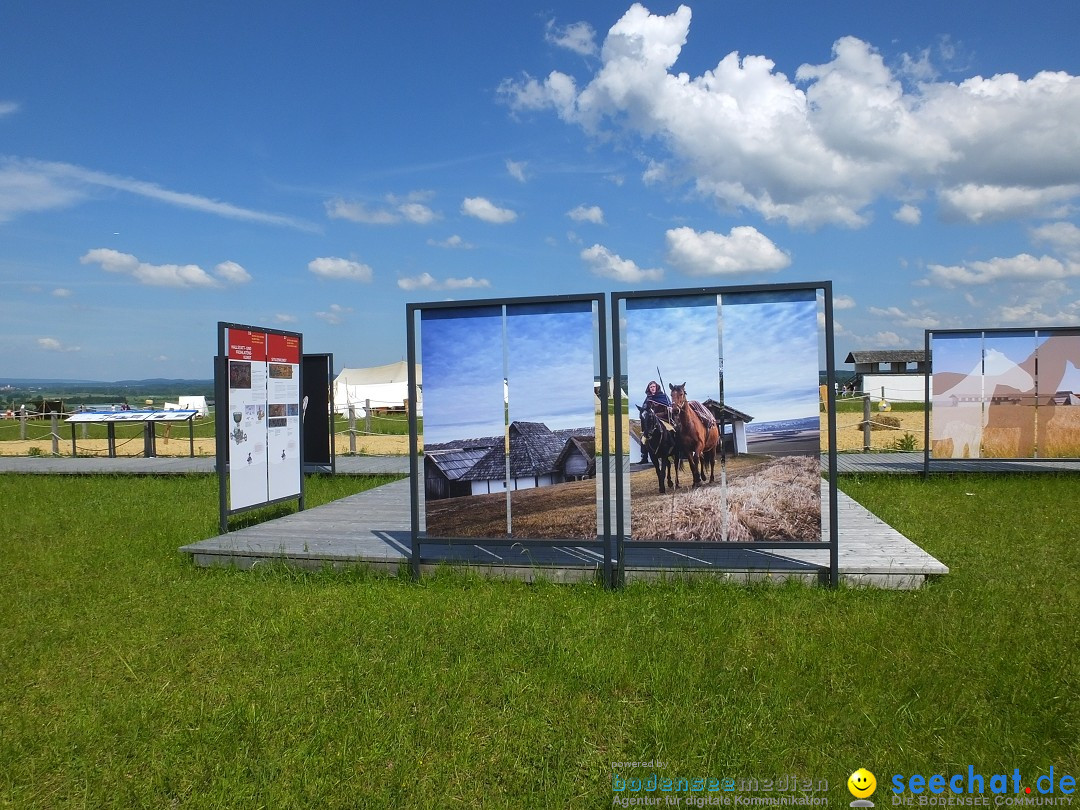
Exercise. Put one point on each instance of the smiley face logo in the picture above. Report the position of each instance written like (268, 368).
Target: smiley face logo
(861, 783)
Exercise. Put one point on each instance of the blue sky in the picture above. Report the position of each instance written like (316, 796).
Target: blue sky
(316, 166)
(548, 356)
(769, 344)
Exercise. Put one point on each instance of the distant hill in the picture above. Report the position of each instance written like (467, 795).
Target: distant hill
(152, 382)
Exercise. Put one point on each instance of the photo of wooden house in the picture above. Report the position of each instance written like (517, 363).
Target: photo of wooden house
(538, 457)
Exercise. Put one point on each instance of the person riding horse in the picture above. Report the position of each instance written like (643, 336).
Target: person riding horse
(660, 404)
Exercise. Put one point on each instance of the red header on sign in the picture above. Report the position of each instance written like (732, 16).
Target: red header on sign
(247, 345)
(283, 349)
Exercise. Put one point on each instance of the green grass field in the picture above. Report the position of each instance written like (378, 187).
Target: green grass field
(133, 679)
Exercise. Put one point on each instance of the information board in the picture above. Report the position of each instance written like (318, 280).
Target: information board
(258, 422)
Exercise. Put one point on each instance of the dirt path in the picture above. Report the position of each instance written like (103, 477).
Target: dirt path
(366, 445)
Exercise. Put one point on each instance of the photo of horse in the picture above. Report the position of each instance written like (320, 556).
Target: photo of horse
(729, 447)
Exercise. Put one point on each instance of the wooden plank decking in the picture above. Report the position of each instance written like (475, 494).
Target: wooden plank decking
(372, 528)
(891, 463)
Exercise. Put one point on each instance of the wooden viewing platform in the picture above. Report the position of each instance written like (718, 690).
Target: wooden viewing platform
(372, 528)
(889, 463)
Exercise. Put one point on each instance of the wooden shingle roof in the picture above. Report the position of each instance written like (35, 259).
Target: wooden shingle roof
(534, 449)
(887, 356)
(458, 464)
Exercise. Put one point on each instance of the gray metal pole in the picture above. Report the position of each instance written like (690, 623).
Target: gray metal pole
(54, 422)
(866, 423)
(352, 428)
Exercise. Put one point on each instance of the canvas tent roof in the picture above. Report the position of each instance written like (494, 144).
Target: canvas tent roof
(384, 386)
(375, 375)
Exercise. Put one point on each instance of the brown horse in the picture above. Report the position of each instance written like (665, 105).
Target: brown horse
(698, 433)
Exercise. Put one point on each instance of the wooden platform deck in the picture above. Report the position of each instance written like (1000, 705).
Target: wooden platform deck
(372, 529)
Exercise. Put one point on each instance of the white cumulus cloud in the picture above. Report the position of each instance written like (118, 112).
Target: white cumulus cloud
(578, 37)
(709, 253)
(908, 214)
(426, 281)
(164, 275)
(820, 147)
(924, 320)
(485, 210)
(1063, 237)
(991, 203)
(604, 263)
(453, 242)
(408, 208)
(232, 273)
(1023, 267)
(333, 267)
(590, 213)
(53, 345)
(334, 314)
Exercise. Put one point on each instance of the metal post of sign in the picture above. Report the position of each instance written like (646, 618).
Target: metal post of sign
(830, 371)
(149, 433)
(352, 428)
(926, 406)
(605, 463)
(221, 430)
(110, 434)
(866, 423)
(414, 461)
(615, 382)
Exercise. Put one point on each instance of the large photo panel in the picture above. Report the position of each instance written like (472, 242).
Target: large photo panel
(1009, 389)
(552, 412)
(723, 437)
(957, 396)
(772, 362)
(465, 422)
(672, 344)
(1058, 380)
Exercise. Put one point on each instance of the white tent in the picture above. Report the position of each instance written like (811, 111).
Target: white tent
(384, 386)
(189, 404)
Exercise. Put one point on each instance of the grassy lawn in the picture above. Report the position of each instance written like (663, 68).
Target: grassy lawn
(133, 679)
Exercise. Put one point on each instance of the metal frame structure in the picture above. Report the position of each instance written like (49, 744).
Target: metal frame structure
(221, 423)
(824, 287)
(928, 334)
(603, 541)
(327, 358)
(613, 540)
